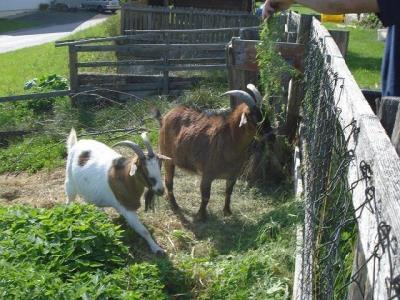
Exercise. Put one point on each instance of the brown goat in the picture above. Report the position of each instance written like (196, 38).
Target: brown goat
(212, 144)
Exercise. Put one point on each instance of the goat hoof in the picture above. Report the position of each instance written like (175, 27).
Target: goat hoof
(227, 212)
(201, 217)
(160, 253)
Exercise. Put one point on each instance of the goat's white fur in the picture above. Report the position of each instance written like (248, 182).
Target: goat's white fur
(90, 181)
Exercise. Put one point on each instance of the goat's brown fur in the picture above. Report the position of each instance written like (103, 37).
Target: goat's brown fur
(127, 189)
(212, 145)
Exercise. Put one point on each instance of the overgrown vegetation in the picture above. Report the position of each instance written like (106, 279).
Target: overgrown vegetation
(74, 252)
(69, 252)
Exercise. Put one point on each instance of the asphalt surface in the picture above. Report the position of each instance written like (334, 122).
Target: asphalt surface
(51, 27)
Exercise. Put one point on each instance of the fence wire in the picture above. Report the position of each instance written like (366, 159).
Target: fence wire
(330, 267)
(329, 232)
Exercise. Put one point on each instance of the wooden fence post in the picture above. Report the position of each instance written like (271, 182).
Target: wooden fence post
(296, 91)
(387, 108)
(395, 139)
(73, 71)
(341, 38)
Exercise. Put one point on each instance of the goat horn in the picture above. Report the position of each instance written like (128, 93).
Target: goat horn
(256, 93)
(132, 146)
(242, 95)
(146, 142)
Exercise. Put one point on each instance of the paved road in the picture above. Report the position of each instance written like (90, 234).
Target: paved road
(53, 26)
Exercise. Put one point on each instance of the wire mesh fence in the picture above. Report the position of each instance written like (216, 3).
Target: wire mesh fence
(347, 243)
(328, 205)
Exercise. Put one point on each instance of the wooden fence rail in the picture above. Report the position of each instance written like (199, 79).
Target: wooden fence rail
(153, 51)
(149, 17)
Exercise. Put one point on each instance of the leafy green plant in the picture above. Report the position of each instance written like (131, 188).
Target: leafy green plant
(44, 83)
(69, 252)
(66, 239)
(370, 21)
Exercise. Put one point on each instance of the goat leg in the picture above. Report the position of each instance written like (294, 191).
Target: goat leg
(169, 184)
(133, 221)
(230, 183)
(205, 187)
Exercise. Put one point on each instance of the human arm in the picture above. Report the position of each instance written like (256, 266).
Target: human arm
(323, 6)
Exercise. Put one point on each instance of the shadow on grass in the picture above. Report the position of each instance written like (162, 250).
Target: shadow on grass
(178, 284)
(234, 233)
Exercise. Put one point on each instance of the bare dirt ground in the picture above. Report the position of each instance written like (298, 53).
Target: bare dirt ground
(43, 189)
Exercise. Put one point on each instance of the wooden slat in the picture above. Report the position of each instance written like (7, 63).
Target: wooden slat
(372, 146)
(189, 61)
(192, 31)
(35, 96)
(149, 47)
(245, 54)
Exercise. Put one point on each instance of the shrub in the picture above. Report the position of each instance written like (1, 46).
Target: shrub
(370, 21)
(44, 83)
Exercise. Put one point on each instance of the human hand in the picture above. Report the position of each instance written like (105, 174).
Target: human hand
(271, 6)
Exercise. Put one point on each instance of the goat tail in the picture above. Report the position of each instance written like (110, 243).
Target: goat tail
(157, 115)
(72, 139)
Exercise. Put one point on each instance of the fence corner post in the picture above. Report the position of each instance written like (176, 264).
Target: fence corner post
(73, 70)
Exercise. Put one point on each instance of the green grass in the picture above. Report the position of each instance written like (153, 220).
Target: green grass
(11, 25)
(74, 252)
(364, 57)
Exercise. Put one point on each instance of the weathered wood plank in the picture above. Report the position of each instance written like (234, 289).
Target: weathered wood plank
(188, 61)
(387, 111)
(341, 38)
(396, 133)
(73, 69)
(35, 96)
(372, 146)
(149, 47)
(245, 54)
(192, 31)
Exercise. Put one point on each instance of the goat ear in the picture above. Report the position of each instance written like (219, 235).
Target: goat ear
(163, 157)
(243, 120)
(133, 169)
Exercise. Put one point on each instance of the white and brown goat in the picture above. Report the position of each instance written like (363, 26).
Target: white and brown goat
(105, 178)
(214, 145)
